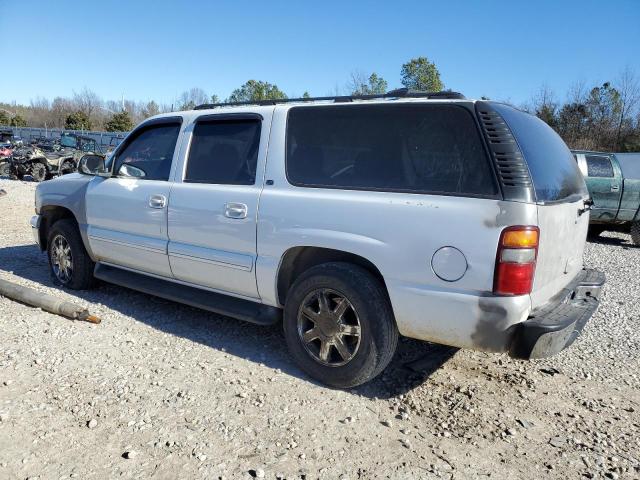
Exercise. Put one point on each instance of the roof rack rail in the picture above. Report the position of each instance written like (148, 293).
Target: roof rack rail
(397, 93)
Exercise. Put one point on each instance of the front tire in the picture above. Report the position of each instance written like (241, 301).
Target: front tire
(69, 261)
(5, 169)
(38, 172)
(339, 325)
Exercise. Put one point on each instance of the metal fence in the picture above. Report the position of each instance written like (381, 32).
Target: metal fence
(103, 138)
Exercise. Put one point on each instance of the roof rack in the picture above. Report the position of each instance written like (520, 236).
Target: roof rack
(397, 93)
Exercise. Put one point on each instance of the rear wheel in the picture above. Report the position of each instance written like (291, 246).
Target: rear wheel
(339, 325)
(635, 233)
(38, 171)
(5, 169)
(69, 261)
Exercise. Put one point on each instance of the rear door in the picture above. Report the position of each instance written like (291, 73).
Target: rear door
(604, 186)
(560, 193)
(214, 204)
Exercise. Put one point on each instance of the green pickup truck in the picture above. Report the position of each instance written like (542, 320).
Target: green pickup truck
(614, 183)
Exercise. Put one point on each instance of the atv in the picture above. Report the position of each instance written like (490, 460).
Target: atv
(42, 165)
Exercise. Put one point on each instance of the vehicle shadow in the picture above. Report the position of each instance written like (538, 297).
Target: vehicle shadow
(617, 241)
(412, 365)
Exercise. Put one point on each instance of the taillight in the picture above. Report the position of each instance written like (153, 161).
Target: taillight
(516, 260)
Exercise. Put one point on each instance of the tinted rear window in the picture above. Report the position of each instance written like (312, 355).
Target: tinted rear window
(224, 152)
(554, 171)
(414, 148)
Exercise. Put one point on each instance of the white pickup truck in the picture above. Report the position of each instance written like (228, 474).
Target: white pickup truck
(351, 219)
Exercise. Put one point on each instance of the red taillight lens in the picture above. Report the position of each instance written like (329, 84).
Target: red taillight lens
(516, 260)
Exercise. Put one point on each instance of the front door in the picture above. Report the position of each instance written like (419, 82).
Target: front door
(604, 187)
(214, 205)
(127, 213)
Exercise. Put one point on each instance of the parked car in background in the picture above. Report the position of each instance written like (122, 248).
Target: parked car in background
(613, 181)
(426, 215)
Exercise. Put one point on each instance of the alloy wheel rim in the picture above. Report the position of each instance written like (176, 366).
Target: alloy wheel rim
(61, 259)
(329, 327)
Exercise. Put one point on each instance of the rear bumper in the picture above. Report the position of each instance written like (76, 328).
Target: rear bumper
(554, 327)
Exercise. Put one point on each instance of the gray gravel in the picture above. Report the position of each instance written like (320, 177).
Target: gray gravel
(165, 391)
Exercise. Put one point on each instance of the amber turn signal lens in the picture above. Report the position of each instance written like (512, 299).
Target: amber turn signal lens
(525, 238)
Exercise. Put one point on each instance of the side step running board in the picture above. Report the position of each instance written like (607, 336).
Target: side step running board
(213, 302)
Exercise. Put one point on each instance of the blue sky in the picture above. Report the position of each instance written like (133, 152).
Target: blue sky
(157, 49)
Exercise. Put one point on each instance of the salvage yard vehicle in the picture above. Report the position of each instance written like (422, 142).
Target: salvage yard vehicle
(428, 215)
(42, 165)
(614, 183)
(29, 160)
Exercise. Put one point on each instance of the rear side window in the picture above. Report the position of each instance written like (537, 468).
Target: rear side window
(599, 166)
(224, 152)
(407, 148)
(554, 171)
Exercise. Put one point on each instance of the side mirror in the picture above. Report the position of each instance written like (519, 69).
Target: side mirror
(92, 165)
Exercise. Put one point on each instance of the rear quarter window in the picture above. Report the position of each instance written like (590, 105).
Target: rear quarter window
(554, 171)
(417, 148)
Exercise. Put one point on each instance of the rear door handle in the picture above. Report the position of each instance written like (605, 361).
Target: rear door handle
(615, 188)
(235, 210)
(157, 201)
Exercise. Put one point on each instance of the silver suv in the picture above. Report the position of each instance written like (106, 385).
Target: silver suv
(352, 220)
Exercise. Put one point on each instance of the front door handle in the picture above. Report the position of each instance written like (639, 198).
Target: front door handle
(235, 210)
(157, 201)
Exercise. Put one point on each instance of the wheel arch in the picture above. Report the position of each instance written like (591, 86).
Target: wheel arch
(50, 215)
(297, 260)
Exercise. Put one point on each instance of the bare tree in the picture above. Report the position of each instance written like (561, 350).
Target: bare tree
(60, 109)
(87, 101)
(192, 97)
(357, 82)
(629, 89)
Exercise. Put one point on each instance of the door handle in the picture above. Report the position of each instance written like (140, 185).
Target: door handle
(235, 210)
(615, 188)
(157, 201)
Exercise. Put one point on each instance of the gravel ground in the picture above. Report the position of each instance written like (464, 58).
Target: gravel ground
(159, 390)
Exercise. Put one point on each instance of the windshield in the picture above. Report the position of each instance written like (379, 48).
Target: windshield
(67, 141)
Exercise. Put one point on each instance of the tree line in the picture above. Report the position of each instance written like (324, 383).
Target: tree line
(604, 117)
(596, 117)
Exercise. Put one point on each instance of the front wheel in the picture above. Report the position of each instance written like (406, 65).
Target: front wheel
(69, 261)
(339, 325)
(5, 169)
(38, 172)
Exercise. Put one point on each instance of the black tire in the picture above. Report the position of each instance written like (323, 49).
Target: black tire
(38, 171)
(5, 169)
(67, 167)
(81, 275)
(367, 297)
(635, 233)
